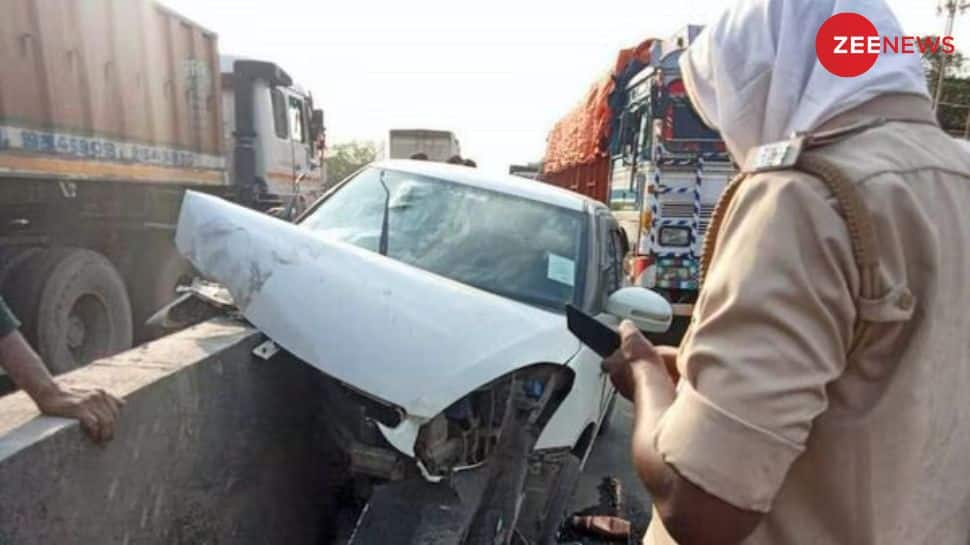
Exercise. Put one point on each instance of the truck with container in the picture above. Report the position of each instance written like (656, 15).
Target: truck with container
(637, 144)
(109, 112)
(435, 145)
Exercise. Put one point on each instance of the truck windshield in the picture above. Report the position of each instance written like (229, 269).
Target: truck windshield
(688, 125)
(511, 246)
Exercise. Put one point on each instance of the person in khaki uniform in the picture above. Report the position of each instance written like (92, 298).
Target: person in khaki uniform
(824, 395)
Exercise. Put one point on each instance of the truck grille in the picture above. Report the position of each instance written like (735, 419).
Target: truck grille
(677, 210)
(685, 210)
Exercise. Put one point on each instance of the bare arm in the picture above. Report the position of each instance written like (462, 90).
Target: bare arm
(25, 367)
(97, 410)
(689, 514)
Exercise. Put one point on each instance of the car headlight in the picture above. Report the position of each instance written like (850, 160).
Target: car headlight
(675, 236)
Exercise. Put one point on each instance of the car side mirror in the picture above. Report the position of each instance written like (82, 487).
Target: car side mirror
(647, 309)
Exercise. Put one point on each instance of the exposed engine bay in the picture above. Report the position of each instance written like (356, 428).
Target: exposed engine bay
(479, 449)
(466, 433)
(463, 436)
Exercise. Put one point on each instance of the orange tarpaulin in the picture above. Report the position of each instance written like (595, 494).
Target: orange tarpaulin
(581, 136)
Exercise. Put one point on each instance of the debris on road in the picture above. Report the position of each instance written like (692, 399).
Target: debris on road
(609, 521)
(612, 528)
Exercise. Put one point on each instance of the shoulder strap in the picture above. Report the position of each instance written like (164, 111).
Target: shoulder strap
(857, 217)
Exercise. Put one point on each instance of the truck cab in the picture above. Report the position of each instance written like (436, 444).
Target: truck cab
(673, 168)
(281, 131)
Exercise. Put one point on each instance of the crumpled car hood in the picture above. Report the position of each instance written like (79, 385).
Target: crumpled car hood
(395, 332)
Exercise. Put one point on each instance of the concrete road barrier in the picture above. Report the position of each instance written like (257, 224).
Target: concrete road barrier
(214, 446)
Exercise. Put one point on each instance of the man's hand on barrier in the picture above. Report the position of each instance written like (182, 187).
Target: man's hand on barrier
(97, 410)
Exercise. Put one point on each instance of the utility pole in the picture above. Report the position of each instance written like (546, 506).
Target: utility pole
(950, 8)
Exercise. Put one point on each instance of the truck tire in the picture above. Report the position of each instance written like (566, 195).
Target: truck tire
(81, 310)
(23, 285)
(154, 285)
(10, 260)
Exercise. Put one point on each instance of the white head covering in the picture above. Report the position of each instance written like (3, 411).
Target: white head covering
(965, 144)
(754, 74)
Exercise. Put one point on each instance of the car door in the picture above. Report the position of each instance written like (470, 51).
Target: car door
(592, 385)
(615, 248)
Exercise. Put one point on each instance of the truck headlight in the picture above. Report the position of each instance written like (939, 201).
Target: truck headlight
(675, 236)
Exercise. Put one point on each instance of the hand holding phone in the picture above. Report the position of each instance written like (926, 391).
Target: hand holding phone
(600, 337)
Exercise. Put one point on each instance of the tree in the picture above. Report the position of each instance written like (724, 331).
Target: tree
(955, 63)
(954, 104)
(346, 158)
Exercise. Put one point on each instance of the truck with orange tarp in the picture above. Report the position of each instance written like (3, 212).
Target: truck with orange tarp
(577, 152)
(637, 144)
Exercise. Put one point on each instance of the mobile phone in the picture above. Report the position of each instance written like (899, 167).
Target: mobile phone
(600, 337)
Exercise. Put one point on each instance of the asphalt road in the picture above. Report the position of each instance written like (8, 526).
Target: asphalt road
(611, 458)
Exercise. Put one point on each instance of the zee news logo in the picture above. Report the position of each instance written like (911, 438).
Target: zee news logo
(848, 45)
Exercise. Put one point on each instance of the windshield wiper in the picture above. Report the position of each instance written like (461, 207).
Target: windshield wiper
(382, 245)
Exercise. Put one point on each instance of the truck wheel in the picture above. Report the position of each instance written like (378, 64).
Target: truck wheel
(154, 286)
(24, 283)
(82, 310)
(10, 260)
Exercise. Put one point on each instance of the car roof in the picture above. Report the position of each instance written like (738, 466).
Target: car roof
(501, 183)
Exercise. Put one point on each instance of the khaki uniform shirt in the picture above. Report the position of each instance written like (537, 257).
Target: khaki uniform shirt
(771, 415)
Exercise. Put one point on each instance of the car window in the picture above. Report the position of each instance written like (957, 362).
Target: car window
(613, 257)
(620, 247)
(522, 249)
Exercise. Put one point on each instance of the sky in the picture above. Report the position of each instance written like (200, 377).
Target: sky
(499, 73)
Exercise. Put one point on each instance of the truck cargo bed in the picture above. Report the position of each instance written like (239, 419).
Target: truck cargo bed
(122, 90)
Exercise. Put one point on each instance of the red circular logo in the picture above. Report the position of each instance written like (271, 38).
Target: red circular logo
(847, 44)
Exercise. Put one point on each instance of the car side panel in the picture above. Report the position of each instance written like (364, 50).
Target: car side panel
(581, 408)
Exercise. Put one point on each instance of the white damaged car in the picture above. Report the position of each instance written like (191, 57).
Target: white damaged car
(433, 295)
